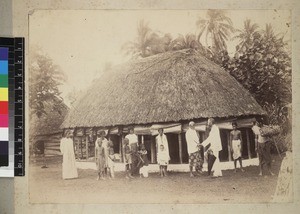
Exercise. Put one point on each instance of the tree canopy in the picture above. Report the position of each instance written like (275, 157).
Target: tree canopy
(261, 62)
(44, 81)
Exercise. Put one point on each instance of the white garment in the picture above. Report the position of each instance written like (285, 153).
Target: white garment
(163, 158)
(192, 140)
(69, 169)
(255, 130)
(236, 147)
(144, 171)
(162, 140)
(215, 145)
(217, 168)
(132, 138)
(214, 139)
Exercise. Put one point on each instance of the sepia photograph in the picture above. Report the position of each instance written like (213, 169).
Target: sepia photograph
(160, 106)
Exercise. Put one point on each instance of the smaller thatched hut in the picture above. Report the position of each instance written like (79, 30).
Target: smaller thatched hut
(166, 90)
(45, 132)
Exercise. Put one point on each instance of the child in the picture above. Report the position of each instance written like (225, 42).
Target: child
(128, 161)
(100, 158)
(111, 160)
(236, 145)
(162, 160)
(143, 163)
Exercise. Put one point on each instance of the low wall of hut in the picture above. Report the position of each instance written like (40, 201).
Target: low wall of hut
(48, 145)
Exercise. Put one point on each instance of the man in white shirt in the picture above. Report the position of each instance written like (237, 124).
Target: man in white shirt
(192, 140)
(161, 139)
(214, 140)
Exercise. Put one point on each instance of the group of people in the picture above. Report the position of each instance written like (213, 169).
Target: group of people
(136, 158)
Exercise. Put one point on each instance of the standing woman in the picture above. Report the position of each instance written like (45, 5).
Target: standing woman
(263, 148)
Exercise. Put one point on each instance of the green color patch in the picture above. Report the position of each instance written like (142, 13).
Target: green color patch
(3, 81)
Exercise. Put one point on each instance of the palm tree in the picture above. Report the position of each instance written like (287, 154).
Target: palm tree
(246, 35)
(217, 27)
(187, 41)
(146, 38)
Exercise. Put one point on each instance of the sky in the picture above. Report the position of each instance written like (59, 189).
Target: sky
(81, 42)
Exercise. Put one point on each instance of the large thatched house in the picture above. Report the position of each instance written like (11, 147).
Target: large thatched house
(166, 90)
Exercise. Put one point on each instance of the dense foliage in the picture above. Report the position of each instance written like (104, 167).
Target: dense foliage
(261, 63)
(45, 79)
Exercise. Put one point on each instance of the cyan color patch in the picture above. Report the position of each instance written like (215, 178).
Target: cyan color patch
(3, 67)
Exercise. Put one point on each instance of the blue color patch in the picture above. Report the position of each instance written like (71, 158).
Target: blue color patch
(3, 53)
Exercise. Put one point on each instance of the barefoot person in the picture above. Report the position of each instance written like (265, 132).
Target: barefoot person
(263, 148)
(236, 145)
(162, 160)
(69, 169)
(161, 139)
(214, 140)
(128, 159)
(100, 155)
(133, 144)
(192, 140)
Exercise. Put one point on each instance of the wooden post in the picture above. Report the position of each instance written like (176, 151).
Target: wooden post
(180, 148)
(248, 144)
(142, 136)
(122, 158)
(228, 145)
(87, 146)
(153, 150)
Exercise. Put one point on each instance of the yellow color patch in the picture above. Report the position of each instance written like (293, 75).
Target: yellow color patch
(3, 94)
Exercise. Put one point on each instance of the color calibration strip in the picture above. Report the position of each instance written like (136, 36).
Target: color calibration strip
(14, 90)
(4, 124)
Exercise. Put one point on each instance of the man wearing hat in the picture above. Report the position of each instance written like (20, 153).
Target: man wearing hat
(192, 140)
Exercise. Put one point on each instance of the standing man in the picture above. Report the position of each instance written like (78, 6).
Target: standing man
(133, 144)
(161, 139)
(192, 140)
(263, 148)
(69, 169)
(215, 147)
(236, 145)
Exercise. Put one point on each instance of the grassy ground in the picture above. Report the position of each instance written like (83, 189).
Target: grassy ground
(46, 186)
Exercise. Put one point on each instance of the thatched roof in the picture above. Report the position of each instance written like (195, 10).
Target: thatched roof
(48, 123)
(168, 87)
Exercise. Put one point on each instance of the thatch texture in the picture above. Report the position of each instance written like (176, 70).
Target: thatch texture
(49, 123)
(168, 87)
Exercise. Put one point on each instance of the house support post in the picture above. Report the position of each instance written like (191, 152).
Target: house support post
(248, 144)
(87, 146)
(228, 145)
(180, 148)
(122, 156)
(153, 151)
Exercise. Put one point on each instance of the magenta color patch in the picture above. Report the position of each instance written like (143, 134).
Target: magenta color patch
(4, 120)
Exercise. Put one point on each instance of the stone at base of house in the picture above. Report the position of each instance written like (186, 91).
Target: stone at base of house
(119, 167)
